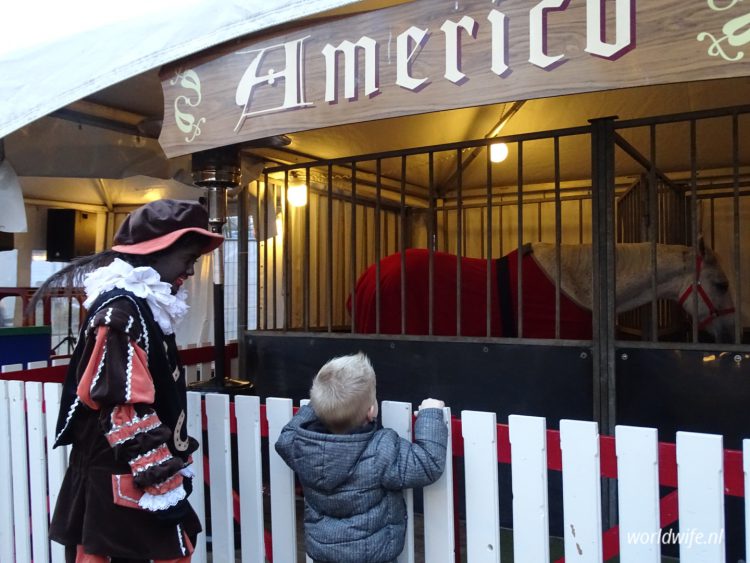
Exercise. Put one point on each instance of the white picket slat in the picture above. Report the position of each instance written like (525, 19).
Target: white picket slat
(746, 470)
(638, 494)
(25, 428)
(439, 533)
(6, 482)
(197, 498)
(700, 496)
(579, 441)
(302, 403)
(60, 362)
(57, 461)
(220, 468)
(528, 444)
(19, 472)
(40, 364)
(191, 374)
(283, 517)
(9, 368)
(398, 417)
(479, 431)
(247, 411)
(37, 472)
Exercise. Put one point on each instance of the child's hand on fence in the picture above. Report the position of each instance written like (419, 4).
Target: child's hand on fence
(431, 404)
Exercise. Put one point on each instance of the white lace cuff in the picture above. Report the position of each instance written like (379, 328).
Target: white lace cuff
(188, 471)
(160, 502)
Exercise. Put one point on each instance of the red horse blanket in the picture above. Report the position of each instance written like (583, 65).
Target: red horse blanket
(537, 297)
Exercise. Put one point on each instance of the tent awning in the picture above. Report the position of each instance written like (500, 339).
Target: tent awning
(55, 53)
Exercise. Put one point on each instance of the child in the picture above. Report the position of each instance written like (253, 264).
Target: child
(351, 471)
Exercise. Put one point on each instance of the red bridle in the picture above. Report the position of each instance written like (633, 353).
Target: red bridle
(713, 312)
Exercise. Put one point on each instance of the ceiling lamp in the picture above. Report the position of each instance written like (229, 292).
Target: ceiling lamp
(498, 152)
(296, 193)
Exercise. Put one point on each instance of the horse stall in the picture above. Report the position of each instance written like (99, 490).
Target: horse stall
(595, 274)
(508, 290)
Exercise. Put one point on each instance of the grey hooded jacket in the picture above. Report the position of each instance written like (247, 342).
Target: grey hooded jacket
(354, 507)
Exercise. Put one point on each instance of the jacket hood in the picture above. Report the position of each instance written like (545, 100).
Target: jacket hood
(324, 460)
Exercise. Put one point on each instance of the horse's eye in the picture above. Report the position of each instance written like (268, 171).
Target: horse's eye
(722, 286)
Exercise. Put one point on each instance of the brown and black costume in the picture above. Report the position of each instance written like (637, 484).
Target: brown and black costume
(123, 410)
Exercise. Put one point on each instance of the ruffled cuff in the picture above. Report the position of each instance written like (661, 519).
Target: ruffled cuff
(153, 503)
(188, 471)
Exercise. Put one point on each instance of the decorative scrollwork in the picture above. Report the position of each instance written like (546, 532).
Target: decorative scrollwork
(186, 122)
(735, 34)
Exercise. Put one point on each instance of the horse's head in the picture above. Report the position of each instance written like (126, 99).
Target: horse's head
(715, 306)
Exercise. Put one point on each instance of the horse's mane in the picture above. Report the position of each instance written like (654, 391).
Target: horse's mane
(633, 268)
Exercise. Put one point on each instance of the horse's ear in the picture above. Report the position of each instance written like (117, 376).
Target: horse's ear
(705, 251)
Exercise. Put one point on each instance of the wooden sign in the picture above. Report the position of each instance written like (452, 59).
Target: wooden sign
(432, 55)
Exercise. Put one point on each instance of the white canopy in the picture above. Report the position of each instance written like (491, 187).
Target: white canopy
(55, 53)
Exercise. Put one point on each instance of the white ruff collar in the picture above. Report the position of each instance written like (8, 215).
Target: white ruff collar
(143, 282)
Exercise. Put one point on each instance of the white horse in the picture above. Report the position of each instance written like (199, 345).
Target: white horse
(676, 271)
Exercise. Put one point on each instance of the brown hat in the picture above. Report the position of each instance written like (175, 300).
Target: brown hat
(157, 225)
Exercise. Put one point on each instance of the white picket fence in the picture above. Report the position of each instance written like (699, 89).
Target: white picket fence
(28, 412)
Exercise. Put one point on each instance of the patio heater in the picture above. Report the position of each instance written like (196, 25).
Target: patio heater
(216, 171)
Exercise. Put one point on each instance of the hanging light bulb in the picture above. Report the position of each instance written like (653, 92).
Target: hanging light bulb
(498, 152)
(296, 193)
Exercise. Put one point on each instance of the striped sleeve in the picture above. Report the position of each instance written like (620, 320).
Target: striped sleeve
(116, 381)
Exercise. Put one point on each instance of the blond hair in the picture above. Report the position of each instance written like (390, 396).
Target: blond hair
(343, 392)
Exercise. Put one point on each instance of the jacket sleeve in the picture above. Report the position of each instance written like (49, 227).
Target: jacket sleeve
(116, 382)
(420, 463)
(284, 444)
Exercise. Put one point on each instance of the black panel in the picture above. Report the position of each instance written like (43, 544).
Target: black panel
(685, 390)
(70, 233)
(551, 381)
(692, 391)
(6, 241)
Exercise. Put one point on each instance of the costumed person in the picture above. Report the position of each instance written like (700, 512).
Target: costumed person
(352, 472)
(124, 496)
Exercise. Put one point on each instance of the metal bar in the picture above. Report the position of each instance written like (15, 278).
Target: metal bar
(500, 238)
(685, 116)
(580, 221)
(558, 236)
(459, 238)
(353, 248)
(243, 236)
(265, 252)
(604, 291)
(539, 221)
(603, 280)
(431, 245)
(519, 241)
(258, 278)
(513, 203)
(288, 249)
(488, 280)
(694, 221)
(306, 258)
(402, 244)
(653, 217)
(571, 131)
(736, 229)
(631, 151)
(329, 251)
(378, 168)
